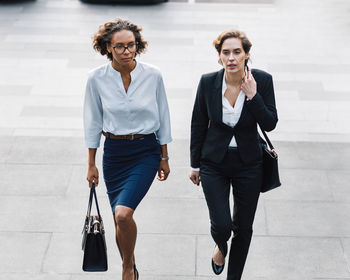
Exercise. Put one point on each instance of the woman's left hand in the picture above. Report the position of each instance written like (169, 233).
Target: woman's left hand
(249, 86)
(163, 170)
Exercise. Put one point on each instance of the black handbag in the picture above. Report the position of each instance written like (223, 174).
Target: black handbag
(94, 243)
(271, 177)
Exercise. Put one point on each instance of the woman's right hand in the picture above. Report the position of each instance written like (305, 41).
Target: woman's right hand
(194, 177)
(92, 175)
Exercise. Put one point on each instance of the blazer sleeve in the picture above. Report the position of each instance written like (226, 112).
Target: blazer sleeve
(263, 106)
(199, 125)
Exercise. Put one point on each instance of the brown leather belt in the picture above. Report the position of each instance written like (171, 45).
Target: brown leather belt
(123, 137)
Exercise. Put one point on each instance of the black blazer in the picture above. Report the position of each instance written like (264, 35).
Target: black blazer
(210, 137)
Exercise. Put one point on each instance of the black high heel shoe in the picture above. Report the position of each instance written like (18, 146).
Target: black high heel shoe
(136, 273)
(218, 269)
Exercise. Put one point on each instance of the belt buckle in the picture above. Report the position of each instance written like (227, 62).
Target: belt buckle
(132, 137)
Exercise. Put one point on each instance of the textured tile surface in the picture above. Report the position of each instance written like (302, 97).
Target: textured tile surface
(23, 252)
(301, 230)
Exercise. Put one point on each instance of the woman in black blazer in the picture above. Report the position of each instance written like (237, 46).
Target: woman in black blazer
(226, 147)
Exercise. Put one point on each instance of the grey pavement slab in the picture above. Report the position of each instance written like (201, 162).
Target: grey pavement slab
(5, 147)
(65, 256)
(307, 218)
(34, 276)
(339, 182)
(325, 95)
(185, 93)
(57, 214)
(154, 249)
(309, 67)
(31, 111)
(54, 150)
(34, 180)
(296, 258)
(301, 230)
(147, 277)
(303, 185)
(313, 155)
(23, 252)
(346, 248)
(14, 90)
(237, 1)
(162, 211)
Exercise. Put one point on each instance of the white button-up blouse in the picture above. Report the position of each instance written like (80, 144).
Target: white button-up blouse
(231, 115)
(143, 109)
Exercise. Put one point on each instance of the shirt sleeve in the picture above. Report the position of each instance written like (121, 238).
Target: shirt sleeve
(164, 132)
(93, 116)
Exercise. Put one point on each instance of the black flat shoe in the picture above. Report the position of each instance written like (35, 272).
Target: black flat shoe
(136, 273)
(218, 268)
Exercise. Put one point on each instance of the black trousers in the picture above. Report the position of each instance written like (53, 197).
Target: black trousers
(245, 180)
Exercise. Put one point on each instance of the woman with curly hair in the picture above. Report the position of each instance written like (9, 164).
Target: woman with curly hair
(125, 100)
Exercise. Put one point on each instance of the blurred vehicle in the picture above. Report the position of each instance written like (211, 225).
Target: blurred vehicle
(125, 1)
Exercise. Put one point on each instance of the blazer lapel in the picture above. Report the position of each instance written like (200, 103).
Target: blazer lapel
(244, 110)
(217, 95)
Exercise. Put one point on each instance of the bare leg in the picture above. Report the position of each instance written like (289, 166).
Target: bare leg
(116, 239)
(126, 232)
(218, 258)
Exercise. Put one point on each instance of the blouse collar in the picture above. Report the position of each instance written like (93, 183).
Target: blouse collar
(134, 73)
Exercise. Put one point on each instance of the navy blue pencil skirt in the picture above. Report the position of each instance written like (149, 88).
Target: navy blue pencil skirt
(129, 168)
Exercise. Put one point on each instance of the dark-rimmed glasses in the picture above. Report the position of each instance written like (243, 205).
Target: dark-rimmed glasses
(120, 48)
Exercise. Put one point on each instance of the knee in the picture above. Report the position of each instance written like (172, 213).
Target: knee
(222, 231)
(123, 217)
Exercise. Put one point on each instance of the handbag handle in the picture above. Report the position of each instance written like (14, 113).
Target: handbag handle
(267, 139)
(92, 195)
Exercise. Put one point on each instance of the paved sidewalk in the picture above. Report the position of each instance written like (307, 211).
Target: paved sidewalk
(301, 231)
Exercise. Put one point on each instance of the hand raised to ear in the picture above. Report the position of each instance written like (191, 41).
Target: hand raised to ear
(249, 86)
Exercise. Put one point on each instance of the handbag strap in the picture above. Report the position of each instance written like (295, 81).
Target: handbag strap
(92, 195)
(90, 203)
(267, 139)
(98, 209)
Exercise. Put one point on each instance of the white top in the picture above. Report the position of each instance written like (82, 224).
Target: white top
(230, 115)
(143, 109)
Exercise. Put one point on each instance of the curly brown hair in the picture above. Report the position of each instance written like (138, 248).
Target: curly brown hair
(233, 33)
(105, 32)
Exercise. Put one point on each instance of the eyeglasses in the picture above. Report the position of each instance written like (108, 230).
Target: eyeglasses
(120, 49)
